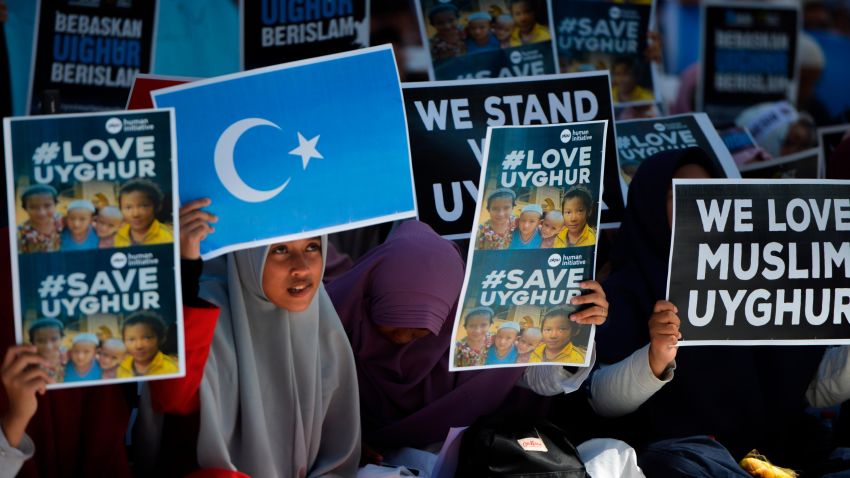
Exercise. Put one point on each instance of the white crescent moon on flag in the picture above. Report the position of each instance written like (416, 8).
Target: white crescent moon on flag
(226, 169)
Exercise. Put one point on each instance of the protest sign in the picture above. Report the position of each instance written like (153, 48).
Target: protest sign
(742, 146)
(296, 150)
(639, 139)
(486, 39)
(86, 54)
(448, 120)
(761, 262)
(140, 93)
(828, 139)
(593, 35)
(804, 164)
(94, 258)
(748, 56)
(533, 243)
(277, 31)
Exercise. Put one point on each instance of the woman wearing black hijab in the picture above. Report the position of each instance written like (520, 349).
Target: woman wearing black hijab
(741, 397)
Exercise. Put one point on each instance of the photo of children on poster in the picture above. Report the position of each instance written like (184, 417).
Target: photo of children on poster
(534, 242)
(275, 31)
(749, 56)
(486, 38)
(592, 35)
(761, 262)
(86, 54)
(637, 140)
(91, 211)
(448, 120)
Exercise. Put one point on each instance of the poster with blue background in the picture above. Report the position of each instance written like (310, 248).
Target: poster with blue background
(91, 206)
(534, 242)
(295, 150)
(469, 39)
(593, 35)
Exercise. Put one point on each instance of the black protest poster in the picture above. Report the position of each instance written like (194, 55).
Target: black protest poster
(447, 123)
(828, 139)
(280, 31)
(87, 53)
(804, 164)
(637, 140)
(761, 262)
(749, 56)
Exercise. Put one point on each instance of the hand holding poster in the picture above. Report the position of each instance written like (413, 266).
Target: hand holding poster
(761, 262)
(87, 53)
(296, 150)
(593, 35)
(486, 39)
(94, 261)
(535, 242)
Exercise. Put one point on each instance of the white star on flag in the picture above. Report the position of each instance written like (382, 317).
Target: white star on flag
(306, 149)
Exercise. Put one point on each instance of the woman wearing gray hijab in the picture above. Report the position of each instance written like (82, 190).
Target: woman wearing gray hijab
(278, 395)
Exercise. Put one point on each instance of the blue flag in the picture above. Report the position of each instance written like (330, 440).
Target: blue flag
(295, 150)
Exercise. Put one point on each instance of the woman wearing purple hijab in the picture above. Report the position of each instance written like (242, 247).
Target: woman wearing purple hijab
(397, 305)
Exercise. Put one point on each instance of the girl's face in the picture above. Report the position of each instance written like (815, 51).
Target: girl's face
(82, 354)
(528, 223)
(476, 327)
(106, 226)
(109, 357)
(138, 210)
(293, 273)
(401, 335)
(78, 221)
(500, 210)
(479, 30)
(527, 343)
(557, 332)
(575, 215)
(503, 30)
(141, 341)
(523, 16)
(445, 22)
(551, 227)
(47, 341)
(504, 340)
(41, 208)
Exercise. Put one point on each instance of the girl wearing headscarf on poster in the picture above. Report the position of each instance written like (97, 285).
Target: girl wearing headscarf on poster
(741, 397)
(278, 393)
(397, 305)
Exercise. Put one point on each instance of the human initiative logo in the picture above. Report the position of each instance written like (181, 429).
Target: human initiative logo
(554, 260)
(118, 260)
(566, 136)
(114, 125)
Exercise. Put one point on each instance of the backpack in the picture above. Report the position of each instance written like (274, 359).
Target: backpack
(518, 446)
